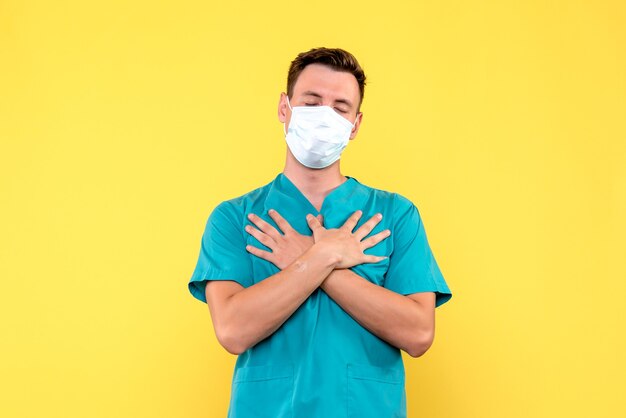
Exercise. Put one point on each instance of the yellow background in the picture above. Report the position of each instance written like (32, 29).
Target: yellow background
(123, 124)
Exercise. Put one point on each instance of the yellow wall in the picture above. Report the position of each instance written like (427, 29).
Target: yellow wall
(122, 126)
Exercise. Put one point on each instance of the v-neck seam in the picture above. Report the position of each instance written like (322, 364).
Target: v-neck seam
(303, 196)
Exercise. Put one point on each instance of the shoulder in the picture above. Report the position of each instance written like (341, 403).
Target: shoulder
(398, 203)
(240, 204)
(233, 210)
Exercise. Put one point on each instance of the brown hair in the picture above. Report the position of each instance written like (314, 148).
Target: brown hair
(335, 58)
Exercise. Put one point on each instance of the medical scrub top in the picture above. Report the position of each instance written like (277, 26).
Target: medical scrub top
(320, 362)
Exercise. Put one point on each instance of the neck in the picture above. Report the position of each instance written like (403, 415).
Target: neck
(311, 181)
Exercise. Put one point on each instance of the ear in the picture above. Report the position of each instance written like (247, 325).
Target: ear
(357, 125)
(283, 108)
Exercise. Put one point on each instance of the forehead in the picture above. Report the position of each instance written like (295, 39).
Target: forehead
(327, 82)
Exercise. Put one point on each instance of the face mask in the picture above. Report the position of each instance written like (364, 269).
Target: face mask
(317, 135)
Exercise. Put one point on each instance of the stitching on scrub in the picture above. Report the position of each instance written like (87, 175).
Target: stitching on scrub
(205, 273)
(213, 273)
(391, 382)
(262, 379)
(374, 374)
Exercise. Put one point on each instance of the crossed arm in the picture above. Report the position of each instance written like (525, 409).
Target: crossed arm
(244, 316)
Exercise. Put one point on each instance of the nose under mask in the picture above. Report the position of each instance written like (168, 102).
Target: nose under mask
(317, 135)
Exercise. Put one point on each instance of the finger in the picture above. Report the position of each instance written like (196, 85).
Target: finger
(373, 258)
(260, 236)
(314, 224)
(320, 218)
(352, 220)
(375, 239)
(367, 227)
(264, 226)
(280, 221)
(265, 255)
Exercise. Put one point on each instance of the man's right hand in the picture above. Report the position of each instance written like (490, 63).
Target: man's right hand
(345, 245)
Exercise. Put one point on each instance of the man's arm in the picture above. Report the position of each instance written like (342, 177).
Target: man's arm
(244, 316)
(406, 322)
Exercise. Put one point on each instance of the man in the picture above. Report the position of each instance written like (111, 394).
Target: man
(315, 280)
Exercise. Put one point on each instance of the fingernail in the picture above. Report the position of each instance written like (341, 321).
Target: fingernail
(271, 211)
(380, 216)
(250, 216)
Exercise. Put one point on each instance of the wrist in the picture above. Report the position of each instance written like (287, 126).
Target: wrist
(325, 254)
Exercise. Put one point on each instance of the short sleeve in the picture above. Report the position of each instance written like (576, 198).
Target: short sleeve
(223, 254)
(412, 265)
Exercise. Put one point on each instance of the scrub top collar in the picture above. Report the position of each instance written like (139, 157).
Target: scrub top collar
(287, 199)
(337, 194)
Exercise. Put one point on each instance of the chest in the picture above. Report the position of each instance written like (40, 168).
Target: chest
(333, 218)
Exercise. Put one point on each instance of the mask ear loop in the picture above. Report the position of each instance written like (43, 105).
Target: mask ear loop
(290, 108)
(355, 119)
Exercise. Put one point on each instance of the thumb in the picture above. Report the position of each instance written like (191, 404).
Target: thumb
(313, 222)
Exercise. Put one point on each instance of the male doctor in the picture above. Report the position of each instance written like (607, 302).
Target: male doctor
(315, 280)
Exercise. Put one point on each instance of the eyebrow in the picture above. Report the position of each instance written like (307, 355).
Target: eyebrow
(314, 94)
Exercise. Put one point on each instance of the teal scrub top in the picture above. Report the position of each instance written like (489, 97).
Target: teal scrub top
(320, 362)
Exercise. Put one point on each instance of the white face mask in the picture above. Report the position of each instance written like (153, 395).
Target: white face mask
(317, 135)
